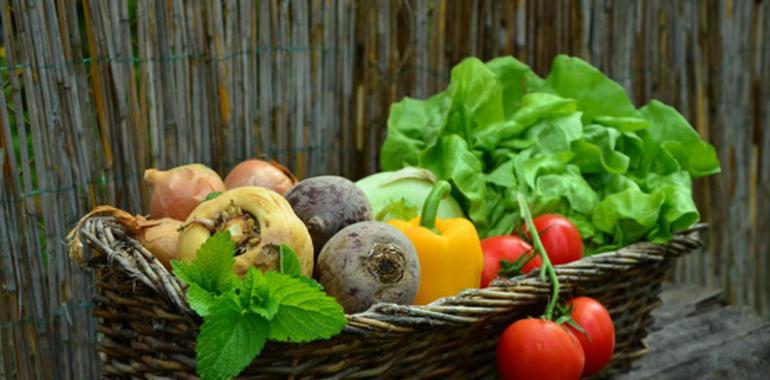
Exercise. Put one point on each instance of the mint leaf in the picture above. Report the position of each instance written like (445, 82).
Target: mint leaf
(212, 268)
(266, 310)
(255, 295)
(229, 339)
(290, 265)
(240, 314)
(289, 261)
(189, 273)
(200, 299)
(309, 281)
(252, 286)
(305, 314)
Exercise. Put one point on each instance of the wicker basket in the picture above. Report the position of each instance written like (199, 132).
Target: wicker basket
(148, 331)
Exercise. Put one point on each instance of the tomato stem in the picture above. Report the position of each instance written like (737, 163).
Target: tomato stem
(432, 202)
(546, 268)
(513, 268)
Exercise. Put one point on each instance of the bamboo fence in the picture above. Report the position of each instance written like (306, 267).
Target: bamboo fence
(97, 91)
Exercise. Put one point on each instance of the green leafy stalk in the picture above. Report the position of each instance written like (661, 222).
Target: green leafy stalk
(430, 207)
(547, 267)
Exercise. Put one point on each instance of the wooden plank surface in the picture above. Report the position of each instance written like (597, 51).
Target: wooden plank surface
(698, 336)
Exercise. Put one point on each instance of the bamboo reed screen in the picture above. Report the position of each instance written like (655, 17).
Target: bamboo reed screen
(97, 91)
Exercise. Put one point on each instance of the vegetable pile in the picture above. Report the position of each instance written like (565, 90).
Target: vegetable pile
(502, 174)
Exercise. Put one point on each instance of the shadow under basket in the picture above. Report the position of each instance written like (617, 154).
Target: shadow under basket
(148, 331)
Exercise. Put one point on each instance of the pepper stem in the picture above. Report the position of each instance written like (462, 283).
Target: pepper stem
(547, 267)
(430, 207)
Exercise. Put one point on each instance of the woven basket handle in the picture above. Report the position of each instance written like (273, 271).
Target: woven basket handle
(113, 245)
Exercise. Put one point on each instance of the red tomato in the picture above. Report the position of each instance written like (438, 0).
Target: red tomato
(595, 320)
(533, 349)
(560, 238)
(505, 247)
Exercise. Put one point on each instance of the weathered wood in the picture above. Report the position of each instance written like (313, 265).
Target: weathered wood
(762, 142)
(697, 336)
(741, 356)
(686, 301)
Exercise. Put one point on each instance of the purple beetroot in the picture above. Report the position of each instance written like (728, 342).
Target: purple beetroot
(327, 204)
(369, 262)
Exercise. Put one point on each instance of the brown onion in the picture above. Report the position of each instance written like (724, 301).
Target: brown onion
(254, 172)
(161, 240)
(176, 192)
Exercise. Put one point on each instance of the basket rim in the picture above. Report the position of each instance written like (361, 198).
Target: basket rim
(111, 242)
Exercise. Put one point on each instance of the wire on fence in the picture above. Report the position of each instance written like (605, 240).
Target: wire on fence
(176, 57)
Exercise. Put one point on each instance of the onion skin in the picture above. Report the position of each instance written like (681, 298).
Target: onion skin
(270, 175)
(277, 224)
(161, 240)
(176, 192)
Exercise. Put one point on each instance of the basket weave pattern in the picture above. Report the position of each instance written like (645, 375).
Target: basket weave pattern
(148, 331)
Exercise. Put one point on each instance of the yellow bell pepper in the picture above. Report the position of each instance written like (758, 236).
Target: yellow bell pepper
(449, 250)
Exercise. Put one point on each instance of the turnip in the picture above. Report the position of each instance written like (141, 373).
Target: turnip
(327, 204)
(400, 194)
(259, 221)
(369, 262)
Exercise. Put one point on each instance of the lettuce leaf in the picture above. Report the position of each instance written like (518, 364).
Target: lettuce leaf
(516, 80)
(670, 135)
(452, 160)
(413, 126)
(572, 143)
(596, 95)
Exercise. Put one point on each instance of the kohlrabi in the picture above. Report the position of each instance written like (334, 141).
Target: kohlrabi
(400, 194)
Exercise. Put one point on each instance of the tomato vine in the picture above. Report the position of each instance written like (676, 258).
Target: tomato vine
(547, 267)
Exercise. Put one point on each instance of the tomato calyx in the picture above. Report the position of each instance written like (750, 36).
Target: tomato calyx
(598, 340)
(513, 268)
(564, 316)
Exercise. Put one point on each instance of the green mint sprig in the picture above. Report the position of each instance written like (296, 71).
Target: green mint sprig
(241, 314)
